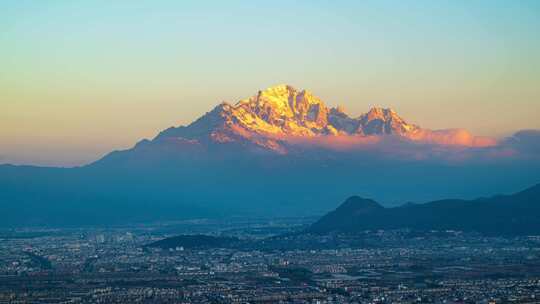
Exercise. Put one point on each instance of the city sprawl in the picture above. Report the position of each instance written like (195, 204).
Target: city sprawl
(277, 265)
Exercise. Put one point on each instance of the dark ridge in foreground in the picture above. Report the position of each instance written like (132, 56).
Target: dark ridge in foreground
(516, 214)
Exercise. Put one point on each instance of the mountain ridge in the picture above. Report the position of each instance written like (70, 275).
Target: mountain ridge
(513, 214)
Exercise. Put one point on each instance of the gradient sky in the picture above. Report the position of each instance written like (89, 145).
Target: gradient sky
(81, 78)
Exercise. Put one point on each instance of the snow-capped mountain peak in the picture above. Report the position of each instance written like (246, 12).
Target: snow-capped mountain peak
(277, 114)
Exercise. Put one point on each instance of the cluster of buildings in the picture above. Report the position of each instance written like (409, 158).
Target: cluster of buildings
(115, 266)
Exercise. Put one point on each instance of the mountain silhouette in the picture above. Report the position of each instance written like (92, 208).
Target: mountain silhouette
(516, 214)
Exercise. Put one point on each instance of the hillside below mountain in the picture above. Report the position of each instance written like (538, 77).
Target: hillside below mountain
(516, 214)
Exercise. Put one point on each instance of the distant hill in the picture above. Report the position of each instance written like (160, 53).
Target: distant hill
(516, 214)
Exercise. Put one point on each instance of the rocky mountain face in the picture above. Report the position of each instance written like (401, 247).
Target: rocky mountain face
(275, 117)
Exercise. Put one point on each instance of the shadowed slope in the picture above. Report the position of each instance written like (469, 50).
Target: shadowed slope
(504, 214)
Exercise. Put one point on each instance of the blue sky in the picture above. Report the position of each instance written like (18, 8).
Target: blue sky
(86, 77)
